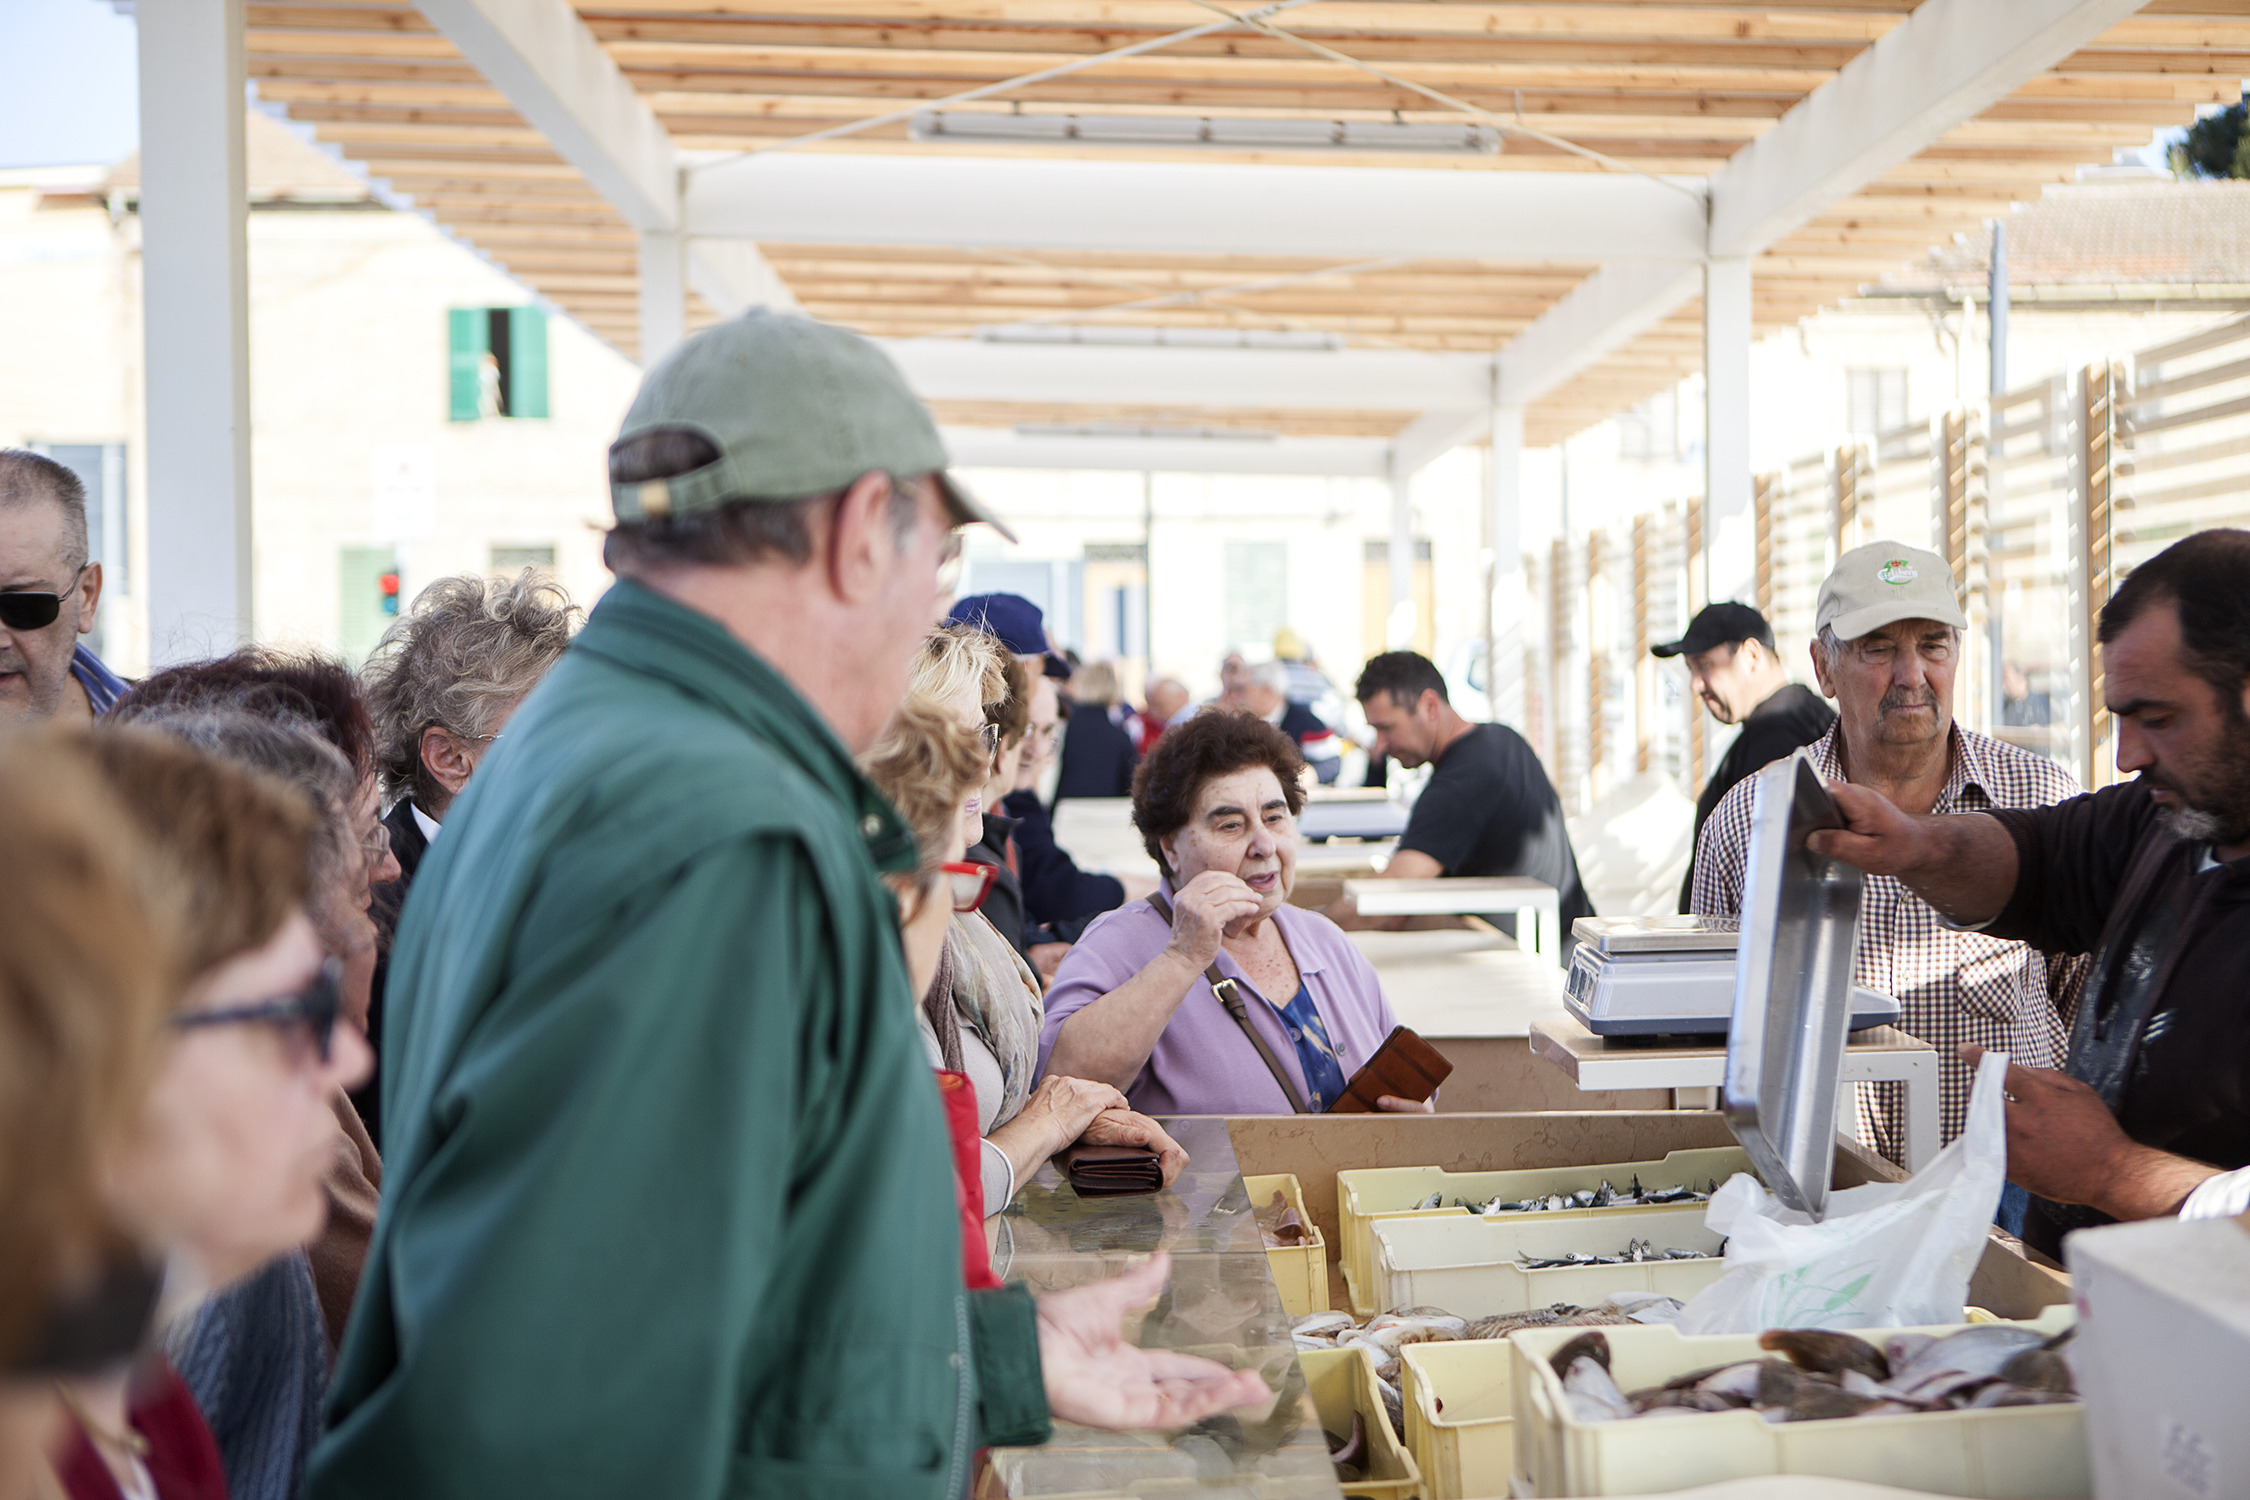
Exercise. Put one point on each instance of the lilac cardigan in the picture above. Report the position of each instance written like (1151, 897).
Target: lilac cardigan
(1202, 1064)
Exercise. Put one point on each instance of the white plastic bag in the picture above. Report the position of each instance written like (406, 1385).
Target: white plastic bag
(1889, 1254)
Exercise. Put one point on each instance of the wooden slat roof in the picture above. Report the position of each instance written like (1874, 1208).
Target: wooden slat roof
(1665, 86)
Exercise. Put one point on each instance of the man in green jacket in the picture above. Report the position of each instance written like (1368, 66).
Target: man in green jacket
(669, 1209)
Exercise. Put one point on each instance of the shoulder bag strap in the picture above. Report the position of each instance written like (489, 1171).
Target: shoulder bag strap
(1230, 996)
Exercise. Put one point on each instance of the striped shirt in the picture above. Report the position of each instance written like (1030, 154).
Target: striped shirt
(103, 687)
(1952, 986)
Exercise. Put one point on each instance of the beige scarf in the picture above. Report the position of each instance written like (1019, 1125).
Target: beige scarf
(985, 984)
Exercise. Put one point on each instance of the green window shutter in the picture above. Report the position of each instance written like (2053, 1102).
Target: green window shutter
(464, 361)
(527, 358)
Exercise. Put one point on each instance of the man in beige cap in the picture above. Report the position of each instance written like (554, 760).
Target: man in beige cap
(1887, 647)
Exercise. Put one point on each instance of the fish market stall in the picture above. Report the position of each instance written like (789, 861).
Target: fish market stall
(1590, 1302)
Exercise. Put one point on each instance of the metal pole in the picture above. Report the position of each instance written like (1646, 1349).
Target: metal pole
(663, 293)
(1148, 570)
(196, 320)
(1505, 613)
(1398, 630)
(1728, 563)
(1997, 293)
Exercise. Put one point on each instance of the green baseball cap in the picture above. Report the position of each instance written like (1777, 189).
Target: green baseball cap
(794, 407)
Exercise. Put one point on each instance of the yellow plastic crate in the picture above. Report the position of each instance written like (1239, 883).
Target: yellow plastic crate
(2023, 1452)
(1366, 1195)
(1300, 1272)
(1467, 1264)
(1468, 1448)
(1341, 1382)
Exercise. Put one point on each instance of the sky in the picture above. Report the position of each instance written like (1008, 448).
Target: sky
(77, 102)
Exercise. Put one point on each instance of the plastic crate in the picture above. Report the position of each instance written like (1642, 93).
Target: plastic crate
(1460, 1416)
(1342, 1381)
(1300, 1272)
(1370, 1194)
(2023, 1452)
(1467, 1264)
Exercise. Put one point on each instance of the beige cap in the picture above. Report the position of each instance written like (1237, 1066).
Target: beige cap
(1883, 583)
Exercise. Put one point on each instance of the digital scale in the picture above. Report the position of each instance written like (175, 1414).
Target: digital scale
(1670, 976)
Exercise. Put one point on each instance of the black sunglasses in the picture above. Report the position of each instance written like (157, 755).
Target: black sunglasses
(20, 610)
(314, 1008)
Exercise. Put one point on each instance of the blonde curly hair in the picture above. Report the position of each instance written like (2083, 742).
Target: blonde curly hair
(927, 762)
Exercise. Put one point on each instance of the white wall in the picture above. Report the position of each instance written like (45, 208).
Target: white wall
(348, 354)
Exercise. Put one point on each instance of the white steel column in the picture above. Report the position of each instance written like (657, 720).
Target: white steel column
(663, 293)
(1398, 629)
(196, 320)
(1503, 533)
(1730, 547)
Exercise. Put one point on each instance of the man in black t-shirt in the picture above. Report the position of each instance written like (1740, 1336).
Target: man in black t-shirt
(1734, 669)
(1488, 808)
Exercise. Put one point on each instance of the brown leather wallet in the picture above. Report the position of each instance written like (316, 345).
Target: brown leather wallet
(1110, 1171)
(1404, 1066)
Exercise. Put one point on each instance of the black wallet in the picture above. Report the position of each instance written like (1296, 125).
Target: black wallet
(1111, 1171)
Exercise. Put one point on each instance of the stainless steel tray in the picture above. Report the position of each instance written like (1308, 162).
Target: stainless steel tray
(1792, 989)
(1611, 935)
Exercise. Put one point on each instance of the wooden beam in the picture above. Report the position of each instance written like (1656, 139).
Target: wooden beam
(1943, 65)
(542, 57)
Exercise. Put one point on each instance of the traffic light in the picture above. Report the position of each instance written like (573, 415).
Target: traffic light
(388, 583)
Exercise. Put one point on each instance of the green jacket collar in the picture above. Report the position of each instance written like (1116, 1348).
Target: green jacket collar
(645, 633)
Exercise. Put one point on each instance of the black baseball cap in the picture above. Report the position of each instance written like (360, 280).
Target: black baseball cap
(1718, 625)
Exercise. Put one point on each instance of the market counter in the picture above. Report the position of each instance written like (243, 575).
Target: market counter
(1223, 1302)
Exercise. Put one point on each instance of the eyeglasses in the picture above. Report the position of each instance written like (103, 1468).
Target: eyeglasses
(949, 565)
(970, 883)
(1881, 651)
(376, 845)
(990, 734)
(313, 1009)
(25, 610)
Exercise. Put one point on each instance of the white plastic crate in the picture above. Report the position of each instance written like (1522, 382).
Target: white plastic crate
(1468, 1265)
(1366, 1195)
(2022, 1453)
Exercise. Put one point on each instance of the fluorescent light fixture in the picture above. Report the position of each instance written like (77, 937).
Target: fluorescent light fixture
(1165, 431)
(1215, 131)
(1142, 337)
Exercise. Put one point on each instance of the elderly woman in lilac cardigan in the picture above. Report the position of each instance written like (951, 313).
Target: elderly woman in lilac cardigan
(1133, 1004)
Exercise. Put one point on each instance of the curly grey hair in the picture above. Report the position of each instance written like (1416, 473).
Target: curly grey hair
(460, 660)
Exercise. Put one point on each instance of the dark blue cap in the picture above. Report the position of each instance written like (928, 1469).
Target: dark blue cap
(1014, 621)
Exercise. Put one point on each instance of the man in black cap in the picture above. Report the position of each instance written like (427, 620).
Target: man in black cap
(1734, 669)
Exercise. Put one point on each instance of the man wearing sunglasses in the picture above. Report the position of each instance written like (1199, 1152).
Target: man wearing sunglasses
(49, 589)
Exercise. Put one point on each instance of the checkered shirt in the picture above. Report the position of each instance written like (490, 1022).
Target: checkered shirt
(1952, 986)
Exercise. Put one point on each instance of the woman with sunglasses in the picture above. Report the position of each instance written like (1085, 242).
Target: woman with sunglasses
(980, 1009)
(237, 1134)
(85, 985)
